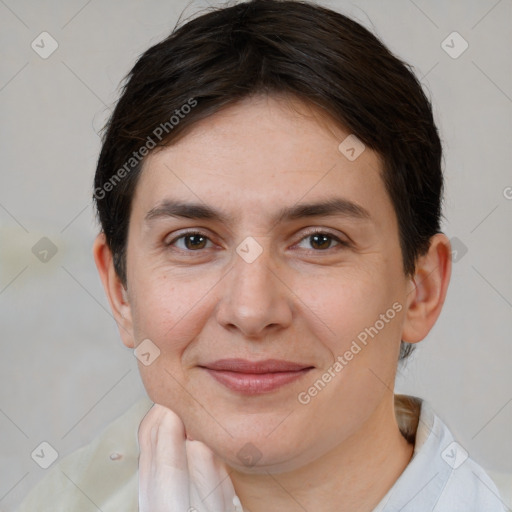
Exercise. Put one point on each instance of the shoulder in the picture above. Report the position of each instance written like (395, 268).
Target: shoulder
(469, 488)
(465, 484)
(441, 475)
(102, 474)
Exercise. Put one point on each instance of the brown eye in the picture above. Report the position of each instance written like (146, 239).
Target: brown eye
(320, 241)
(190, 242)
(195, 241)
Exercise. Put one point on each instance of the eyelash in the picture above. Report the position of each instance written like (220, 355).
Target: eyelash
(341, 243)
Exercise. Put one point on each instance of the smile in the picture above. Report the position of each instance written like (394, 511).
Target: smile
(252, 378)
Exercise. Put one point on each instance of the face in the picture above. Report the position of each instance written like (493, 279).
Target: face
(226, 262)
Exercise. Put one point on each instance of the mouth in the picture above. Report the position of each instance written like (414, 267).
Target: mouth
(255, 377)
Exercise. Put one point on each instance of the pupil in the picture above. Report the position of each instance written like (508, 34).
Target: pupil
(321, 240)
(195, 241)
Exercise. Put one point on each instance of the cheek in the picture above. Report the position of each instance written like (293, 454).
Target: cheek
(167, 308)
(357, 315)
(171, 311)
(344, 302)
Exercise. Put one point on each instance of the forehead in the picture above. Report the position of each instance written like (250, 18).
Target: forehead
(259, 155)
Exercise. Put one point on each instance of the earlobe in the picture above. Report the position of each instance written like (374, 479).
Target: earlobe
(116, 293)
(428, 289)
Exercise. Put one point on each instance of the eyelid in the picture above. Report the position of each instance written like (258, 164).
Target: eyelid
(183, 234)
(309, 232)
(325, 231)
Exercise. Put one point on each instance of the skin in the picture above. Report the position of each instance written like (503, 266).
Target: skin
(299, 300)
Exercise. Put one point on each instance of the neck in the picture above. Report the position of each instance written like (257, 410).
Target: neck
(356, 475)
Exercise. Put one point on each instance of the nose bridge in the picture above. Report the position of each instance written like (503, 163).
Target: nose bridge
(252, 277)
(253, 298)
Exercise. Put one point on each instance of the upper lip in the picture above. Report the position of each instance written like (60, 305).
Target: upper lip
(246, 366)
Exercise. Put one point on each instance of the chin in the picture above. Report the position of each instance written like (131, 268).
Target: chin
(260, 453)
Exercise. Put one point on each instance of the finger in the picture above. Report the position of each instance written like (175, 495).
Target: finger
(163, 470)
(211, 489)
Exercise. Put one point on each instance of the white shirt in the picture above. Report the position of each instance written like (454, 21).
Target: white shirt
(103, 474)
(440, 476)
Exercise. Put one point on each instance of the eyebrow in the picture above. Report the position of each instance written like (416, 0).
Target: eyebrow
(331, 207)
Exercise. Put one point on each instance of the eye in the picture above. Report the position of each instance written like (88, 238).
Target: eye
(191, 241)
(322, 241)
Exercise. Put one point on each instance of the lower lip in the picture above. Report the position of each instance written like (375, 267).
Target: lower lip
(255, 383)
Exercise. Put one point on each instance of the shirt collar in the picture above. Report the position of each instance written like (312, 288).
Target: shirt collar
(421, 484)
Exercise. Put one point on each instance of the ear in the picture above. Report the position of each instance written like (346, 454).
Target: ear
(428, 289)
(117, 294)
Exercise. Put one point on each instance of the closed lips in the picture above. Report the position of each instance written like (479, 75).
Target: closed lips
(256, 367)
(255, 377)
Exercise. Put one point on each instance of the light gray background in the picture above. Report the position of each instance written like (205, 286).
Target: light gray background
(64, 372)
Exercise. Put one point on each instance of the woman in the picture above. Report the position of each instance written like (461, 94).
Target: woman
(269, 191)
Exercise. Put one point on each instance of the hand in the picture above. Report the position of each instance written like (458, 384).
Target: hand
(177, 474)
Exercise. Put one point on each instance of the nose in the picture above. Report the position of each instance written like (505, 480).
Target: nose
(255, 299)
